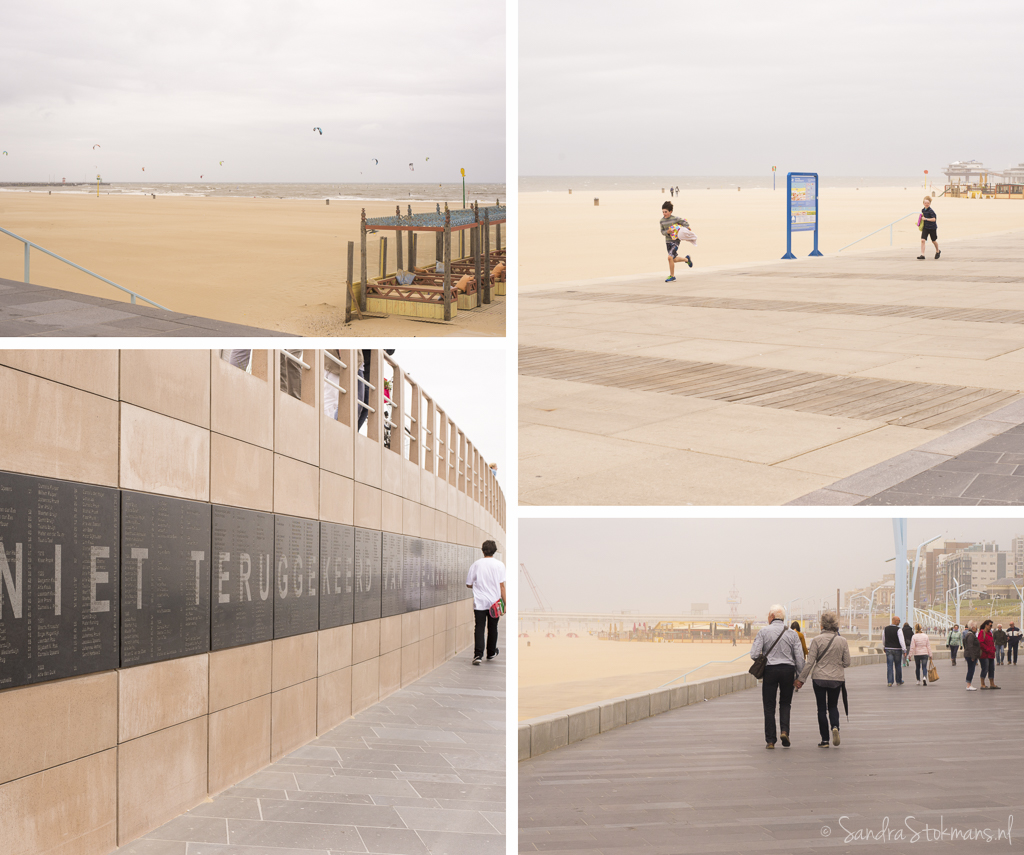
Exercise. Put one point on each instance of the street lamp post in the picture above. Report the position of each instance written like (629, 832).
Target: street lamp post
(856, 597)
(871, 607)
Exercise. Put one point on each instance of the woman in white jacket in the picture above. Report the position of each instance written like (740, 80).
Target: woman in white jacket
(921, 649)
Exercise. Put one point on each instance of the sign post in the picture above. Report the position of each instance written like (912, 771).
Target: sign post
(773, 179)
(801, 208)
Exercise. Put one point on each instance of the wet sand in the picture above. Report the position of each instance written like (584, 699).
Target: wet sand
(279, 264)
(566, 238)
(560, 673)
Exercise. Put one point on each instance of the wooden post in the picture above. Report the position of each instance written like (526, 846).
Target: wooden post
(475, 239)
(362, 261)
(439, 246)
(383, 258)
(412, 251)
(497, 235)
(349, 280)
(447, 263)
(398, 242)
(487, 257)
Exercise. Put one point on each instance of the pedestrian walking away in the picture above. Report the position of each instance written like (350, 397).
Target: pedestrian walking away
(1000, 637)
(895, 647)
(1013, 634)
(921, 651)
(929, 228)
(908, 633)
(988, 655)
(827, 656)
(953, 640)
(972, 651)
(674, 230)
(487, 579)
(795, 626)
(785, 661)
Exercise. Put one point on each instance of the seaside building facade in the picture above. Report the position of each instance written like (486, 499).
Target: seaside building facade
(202, 571)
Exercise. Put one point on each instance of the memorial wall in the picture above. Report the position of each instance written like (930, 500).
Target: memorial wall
(201, 570)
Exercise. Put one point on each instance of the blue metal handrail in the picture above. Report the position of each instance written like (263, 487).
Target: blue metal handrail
(716, 662)
(889, 227)
(29, 244)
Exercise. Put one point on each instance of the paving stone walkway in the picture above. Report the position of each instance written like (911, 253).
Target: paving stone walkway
(420, 773)
(767, 384)
(34, 310)
(699, 780)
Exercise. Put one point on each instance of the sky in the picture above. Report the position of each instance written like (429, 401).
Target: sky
(706, 88)
(664, 565)
(469, 385)
(177, 87)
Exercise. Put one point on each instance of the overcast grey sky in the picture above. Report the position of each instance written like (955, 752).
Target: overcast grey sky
(665, 565)
(470, 387)
(704, 88)
(178, 87)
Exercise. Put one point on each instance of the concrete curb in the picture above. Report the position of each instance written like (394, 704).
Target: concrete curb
(549, 732)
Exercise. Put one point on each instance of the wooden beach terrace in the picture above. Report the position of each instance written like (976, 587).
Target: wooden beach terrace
(438, 291)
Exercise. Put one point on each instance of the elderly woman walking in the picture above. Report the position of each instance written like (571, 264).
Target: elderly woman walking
(972, 651)
(921, 649)
(827, 655)
(785, 660)
(988, 656)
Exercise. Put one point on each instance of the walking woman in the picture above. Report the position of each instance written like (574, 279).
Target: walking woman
(953, 641)
(921, 649)
(827, 655)
(972, 651)
(988, 656)
(795, 626)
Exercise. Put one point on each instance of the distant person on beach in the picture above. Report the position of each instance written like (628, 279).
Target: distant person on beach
(1000, 638)
(1013, 634)
(671, 240)
(827, 656)
(487, 579)
(929, 228)
(895, 646)
(988, 655)
(671, 191)
(795, 626)
(972, 652)
(953, 641)
(785, 661)
(921, 651)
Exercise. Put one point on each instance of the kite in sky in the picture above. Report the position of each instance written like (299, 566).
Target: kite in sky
(412, 168)
(95, 146)
(319, 129)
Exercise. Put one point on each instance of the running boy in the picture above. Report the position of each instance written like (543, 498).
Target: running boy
(672, 242)
(929, 228)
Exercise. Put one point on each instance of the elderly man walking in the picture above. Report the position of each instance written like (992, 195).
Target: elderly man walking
(785, 660)
(895, 648)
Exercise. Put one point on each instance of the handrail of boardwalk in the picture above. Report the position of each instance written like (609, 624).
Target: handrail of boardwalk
(716, 662)
(29, 244)
(876, 231)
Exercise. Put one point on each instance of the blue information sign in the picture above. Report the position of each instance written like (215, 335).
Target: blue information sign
(801, 208)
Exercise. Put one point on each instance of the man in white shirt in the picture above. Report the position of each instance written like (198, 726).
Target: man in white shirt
(487, 579)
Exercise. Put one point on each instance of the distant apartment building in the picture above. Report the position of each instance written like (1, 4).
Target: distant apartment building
(976, 567)
(931, 586)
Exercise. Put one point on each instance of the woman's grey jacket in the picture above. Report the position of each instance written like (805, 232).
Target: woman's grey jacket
(829, 667)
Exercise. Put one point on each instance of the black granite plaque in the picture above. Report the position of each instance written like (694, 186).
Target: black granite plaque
(368, 572)
(413, 550)
(429, 574)
(242, 593)
(337, 574)
(469, 555)
(297, 580)
(392, 594)
(449, 591)
(165, 578)
(59, 550)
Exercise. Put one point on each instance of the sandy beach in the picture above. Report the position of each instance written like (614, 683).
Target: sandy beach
(560, 673)
(566, 238)
(278, 264)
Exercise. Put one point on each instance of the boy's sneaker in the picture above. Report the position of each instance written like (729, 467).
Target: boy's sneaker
(476, 660)
(920, 258)
(489, 658)
(671, 279)
(690, 263)
(938, 253)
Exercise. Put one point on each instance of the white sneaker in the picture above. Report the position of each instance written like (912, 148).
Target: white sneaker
(972, 688)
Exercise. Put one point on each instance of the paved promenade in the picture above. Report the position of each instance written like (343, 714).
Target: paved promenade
(420, 773)
(765, 384)
(34, 310)
(699, 780)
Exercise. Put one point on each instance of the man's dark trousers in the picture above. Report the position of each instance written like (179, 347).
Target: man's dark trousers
(777, 679)
(483, 617)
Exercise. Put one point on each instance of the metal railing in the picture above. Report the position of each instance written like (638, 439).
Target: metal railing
(889, 227)
(29, 246)
(716, 662)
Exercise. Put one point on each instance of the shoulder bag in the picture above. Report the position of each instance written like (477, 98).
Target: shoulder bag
(761, 662)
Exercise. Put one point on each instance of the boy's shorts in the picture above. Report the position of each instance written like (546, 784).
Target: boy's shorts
(673, 247)
(930, 232)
